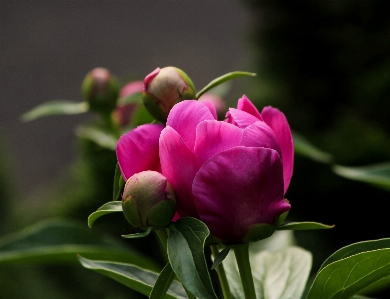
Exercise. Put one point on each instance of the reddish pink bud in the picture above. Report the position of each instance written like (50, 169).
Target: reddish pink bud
(165, 87)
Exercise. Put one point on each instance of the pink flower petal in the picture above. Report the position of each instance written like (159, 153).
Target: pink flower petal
(246, 105)
(138, 150)
(238, 188)
(278, 123)
(184, 118)
(260, 134)
(178, 165)
(240, 118)
(149, 79)
(213, 137)
(211, 107)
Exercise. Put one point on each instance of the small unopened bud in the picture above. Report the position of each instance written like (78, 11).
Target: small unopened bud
(165, 87)
(123, 113)
(148, 200)
(100, 90)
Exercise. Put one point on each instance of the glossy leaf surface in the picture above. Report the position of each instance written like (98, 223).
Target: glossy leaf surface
(107, 208)
(186, 254)
(345, 278)
(133, 277)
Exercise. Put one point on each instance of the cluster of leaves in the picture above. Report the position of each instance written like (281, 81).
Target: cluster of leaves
(279, 267)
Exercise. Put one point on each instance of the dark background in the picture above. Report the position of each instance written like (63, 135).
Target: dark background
(47, 47)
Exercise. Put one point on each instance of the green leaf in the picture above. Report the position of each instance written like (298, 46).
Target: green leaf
(186, 254)
(163, 282)
(378, 174)
(303, 226)
(222, 79)
(107, 208)
(141, 116)
(133, 277)
(138, 235)
(119, 183)
(55, 107)
(346, 277)
(220, 257)
(101, 137)
(59, 241)
(355, 249)
(281, 274)
(380, 285)
(303, 147)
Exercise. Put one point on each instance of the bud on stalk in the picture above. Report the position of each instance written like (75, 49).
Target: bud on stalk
(100, 90)
(165, 87)
(148, 200)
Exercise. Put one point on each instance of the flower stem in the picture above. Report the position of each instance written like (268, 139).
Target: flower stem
(222, 275)
(244, 266)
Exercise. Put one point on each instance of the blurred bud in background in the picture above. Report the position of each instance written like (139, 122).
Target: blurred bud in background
(218, 103)
(127, 103)
(100, 90)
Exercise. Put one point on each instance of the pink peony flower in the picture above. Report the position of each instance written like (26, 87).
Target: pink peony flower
(230, 174)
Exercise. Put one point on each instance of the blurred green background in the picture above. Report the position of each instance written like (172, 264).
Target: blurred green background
(325, 64)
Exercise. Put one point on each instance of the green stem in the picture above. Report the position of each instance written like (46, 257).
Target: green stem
(221, 275)
(244, 266)
(112, 125)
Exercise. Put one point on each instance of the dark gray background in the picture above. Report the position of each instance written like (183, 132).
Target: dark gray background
(47, 47)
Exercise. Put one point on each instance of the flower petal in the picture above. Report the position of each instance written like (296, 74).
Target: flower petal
(211, 107)
(278, 123)
(240, 118)
(213, 137)
(260, 134)
(178, 165)
(184, 118)
(246, 105)
(238, 188)
(138, 150)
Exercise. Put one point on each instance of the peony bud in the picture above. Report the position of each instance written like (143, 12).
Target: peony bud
(148, 200)
(100, 89)
(165, 87)
(123, 113)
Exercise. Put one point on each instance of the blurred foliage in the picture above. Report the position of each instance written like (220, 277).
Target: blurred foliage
(85, 186)
(326, 65)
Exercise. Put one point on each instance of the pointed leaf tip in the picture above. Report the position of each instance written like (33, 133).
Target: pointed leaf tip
(304, 226)
(107, 208)
(222, 79)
